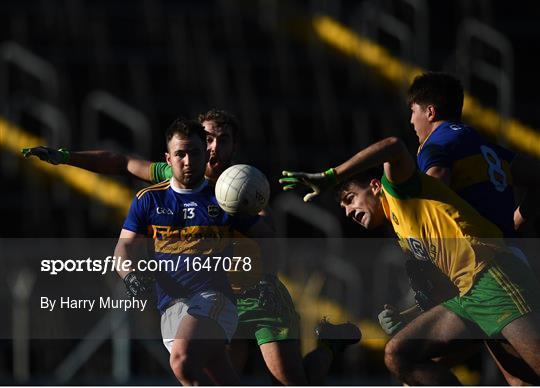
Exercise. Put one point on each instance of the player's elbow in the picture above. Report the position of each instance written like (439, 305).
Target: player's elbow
(138, 168)
(396, 144)
(396, 150)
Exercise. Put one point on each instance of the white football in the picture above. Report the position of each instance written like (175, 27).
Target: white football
(242, 189)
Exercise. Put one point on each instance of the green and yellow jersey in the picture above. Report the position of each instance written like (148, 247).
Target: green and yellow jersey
(159, 172)
(434, 223)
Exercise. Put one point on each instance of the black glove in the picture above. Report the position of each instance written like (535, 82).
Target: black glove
(430, 285)
(421, 285)
(47, 154)
(265, 292)
(138, 284)
(268, 297)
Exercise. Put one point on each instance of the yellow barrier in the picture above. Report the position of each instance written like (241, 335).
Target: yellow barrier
(105, 190)
(515, 134)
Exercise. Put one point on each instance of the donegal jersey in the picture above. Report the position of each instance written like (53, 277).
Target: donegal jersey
(242, 246)
(435, 224)
(480, 171)
(159, 172)
(185, 224)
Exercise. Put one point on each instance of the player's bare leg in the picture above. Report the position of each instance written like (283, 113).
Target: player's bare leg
(238, 351)
(219, 370)
(524, 335)
(317, 364)
(284, 361)
(464, 349)
(515, 371)
(409, 354)
(199, 346)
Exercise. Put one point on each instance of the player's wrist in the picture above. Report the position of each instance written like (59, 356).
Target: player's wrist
(65, 156)
(528, 208)
(332, 176)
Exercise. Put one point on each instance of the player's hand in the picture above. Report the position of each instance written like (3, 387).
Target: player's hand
(317, 182)
(519, 220)
(390, 320)
(138, 284)
(47, 154)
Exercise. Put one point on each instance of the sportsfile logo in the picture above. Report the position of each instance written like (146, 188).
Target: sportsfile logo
(164, 210)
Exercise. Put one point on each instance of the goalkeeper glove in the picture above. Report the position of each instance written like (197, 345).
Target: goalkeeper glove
(138, 284)
(390, 320)
(47, 154)
(266, 293)
(317, 182)
(268, 297)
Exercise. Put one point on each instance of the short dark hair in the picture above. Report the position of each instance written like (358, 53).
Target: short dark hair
(185, 128)
(442, 90)
(223, 119)
(361, 179)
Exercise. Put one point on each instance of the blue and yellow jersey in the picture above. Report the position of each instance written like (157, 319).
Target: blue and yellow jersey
(242, 245)
(435, 224)
(185, 224)
(480, 171)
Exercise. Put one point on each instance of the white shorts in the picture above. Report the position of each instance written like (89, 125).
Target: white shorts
(210, 304)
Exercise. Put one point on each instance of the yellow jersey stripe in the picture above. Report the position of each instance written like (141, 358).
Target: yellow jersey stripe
(516, 290)
(159, 186)
(199, 241)
(468, 171)
(153, 187)
(509, 287)
(501, 283)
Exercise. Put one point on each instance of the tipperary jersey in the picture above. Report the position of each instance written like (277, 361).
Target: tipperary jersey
(480, 171)
(242, 245)
(435, 224)
(185, 224)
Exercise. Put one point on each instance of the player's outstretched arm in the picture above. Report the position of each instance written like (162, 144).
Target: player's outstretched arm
(102, 162)
(392, 152)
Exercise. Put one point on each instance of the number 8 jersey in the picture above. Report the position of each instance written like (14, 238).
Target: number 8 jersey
(480, 171)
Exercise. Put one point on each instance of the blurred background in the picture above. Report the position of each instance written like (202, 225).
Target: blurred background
(311, 83)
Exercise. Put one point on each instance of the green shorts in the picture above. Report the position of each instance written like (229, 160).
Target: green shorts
(499, 295)
(255, 321)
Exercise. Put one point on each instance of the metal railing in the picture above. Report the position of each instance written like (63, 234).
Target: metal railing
(471, 62)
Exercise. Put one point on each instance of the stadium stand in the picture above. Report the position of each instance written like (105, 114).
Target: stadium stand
(112, 74)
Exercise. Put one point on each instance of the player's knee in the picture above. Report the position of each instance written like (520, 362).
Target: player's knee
(182, 367)
(394, 358)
